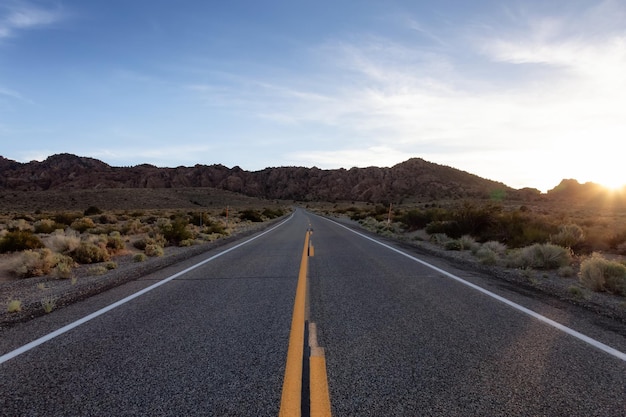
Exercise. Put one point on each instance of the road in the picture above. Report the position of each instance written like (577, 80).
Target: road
(400, 339)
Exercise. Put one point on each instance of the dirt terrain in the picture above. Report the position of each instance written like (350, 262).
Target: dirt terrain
(38, 294)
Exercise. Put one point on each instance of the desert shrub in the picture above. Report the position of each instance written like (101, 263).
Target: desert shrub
(518, 229)
(19, 240)
(566, 271)
(92, 210)
(541, 256)
(494, 246)
(142, 243)
(439, 239)
(175, 230)
(198, 218)
(187, 242)
(139, 257)
(107, 219)
(569, 236)
(115, 243)
(110, 265)
(97, 270)
(66, 218)
(214, 227)
(473, 220)
(446, 227)
(82, 224)
(38, 262)
(414, 219)
(272, 213)
(487, 256)
(617, 240)
(251, 215)
(63, 270)
(133, 226)
(89, 252)
(19, 225)
(454, 244)
(64, 241)
(156, 239)
(600, 274)
(469, 243)
(47, 226)
(154, 250)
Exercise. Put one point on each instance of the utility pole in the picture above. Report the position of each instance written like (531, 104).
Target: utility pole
(389, 217)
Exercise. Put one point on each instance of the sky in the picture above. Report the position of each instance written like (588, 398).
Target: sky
(525, 92)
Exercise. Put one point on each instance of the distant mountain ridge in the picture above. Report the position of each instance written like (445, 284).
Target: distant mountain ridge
(414, 178)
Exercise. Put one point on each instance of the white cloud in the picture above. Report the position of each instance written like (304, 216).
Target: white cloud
(20, 15)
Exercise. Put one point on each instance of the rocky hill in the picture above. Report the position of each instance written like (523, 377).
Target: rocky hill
(415, 178)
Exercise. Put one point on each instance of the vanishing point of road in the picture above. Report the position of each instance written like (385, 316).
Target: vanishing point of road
(313, 318)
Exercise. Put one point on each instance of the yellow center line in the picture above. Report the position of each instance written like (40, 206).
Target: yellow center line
(291, 399)
(320, 397)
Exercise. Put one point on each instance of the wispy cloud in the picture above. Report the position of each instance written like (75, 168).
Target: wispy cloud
(16, 16)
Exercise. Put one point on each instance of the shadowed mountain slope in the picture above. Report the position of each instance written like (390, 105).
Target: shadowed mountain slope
(415, 178)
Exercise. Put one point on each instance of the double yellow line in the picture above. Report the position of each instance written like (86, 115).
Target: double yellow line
(291, 399)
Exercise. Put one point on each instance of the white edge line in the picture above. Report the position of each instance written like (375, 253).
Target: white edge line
(593, 342)
(110, 307)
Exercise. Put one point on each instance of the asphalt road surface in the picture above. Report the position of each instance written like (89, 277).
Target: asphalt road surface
(400, 339)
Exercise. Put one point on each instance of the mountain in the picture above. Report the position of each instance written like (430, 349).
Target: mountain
(412, 179)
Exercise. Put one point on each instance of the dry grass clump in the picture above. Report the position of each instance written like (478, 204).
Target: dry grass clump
(600, 274)
(14, 306)
(569, 236)
(540, 256)
(48, 304)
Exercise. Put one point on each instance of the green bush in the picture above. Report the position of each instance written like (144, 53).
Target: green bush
(92, 210)
(140, 257)
(600, 274)
(519, 229)
(175, 230)
(453, 245)
(251, 215)
(272, 213)
(88, 253)
(19, 240)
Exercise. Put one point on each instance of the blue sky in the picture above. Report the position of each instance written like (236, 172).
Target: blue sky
(524, 92)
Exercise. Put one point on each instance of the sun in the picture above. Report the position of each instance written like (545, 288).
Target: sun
(611, 182)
